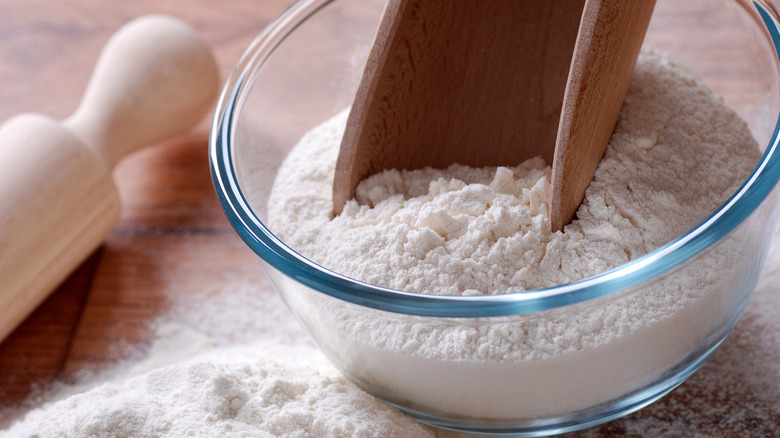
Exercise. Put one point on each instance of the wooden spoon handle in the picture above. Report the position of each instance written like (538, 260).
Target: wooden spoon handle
(595, 90)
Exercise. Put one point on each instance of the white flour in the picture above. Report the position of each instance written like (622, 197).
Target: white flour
(210, 376)
(239, 394)
(677, 154)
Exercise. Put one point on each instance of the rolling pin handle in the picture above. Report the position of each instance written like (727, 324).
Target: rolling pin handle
(155, 78)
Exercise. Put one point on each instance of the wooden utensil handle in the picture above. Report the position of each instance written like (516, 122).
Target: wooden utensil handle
(155, 78)
(611, 36)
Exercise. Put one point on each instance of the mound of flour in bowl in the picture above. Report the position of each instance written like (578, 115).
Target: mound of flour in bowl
(677, 153)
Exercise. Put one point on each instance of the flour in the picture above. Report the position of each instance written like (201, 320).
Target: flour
(677, 154)
(254, 373)
(236, 393)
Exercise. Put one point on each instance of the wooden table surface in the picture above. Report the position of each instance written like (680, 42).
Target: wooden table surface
(172, 237)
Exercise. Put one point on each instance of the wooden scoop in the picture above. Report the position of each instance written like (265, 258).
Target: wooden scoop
(155, 78)
(484, 84)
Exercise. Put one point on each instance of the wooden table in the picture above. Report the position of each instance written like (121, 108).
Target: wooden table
(173, 236)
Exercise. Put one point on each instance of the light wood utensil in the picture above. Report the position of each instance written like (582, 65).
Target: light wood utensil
(492, 84)
(155, 78)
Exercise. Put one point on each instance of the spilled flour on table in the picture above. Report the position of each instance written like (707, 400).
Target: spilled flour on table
(736, 393)
(253, 373)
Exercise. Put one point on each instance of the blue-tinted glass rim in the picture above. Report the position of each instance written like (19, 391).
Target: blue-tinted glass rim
(257, 236)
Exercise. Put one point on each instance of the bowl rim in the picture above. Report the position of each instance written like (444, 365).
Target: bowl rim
(282, 258)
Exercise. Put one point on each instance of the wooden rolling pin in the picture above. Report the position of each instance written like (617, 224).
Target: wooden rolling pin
(155, 78)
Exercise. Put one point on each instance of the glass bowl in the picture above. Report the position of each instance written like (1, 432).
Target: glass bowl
(304, 68)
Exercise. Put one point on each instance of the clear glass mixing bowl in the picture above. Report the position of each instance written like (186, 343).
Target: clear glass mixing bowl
(304, 68)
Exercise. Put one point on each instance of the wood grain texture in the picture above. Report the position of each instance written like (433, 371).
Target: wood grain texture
(171, 216)
(37, 351)
(173, 266)
(610, 37)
